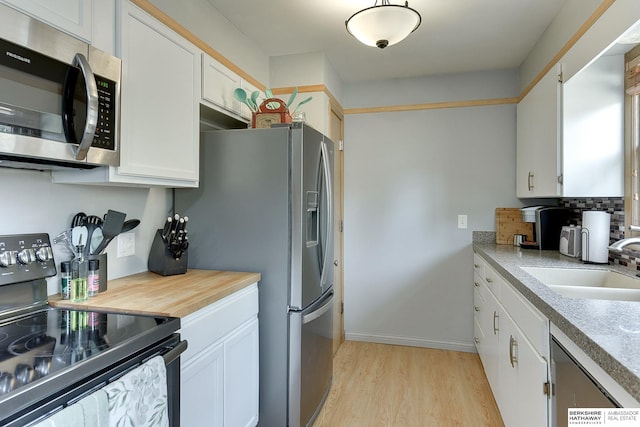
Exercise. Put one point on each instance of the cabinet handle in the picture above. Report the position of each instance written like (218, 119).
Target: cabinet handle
(496, 317)
(476, 266)
(513, 351)
(476, 284)
(476, 340)
(489, 279)
(530, 181)
(476, 308)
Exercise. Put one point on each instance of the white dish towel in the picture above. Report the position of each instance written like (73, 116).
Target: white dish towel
(139, 398)
(92, 410)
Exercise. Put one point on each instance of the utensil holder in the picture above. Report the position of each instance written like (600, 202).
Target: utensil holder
(161, 260)
(102, 270)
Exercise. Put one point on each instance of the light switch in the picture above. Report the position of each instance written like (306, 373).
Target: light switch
(462, 221)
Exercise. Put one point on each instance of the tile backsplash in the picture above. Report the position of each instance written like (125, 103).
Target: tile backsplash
(615, 206)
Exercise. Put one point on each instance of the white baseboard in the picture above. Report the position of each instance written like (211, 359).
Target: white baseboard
(467, 347)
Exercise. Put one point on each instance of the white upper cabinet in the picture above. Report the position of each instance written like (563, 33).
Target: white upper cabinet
(218, 86)
(538, 139)
(570, 140)
(159, 107)
(592, 130)
(71, 16)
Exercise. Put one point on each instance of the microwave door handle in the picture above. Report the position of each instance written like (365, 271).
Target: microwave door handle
(80, 152)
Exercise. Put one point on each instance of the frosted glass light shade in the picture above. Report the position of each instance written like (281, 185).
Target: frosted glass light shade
(383, 25)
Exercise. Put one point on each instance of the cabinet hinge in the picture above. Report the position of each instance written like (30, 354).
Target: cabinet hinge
(341, 145)
(341, 226)
(560, 179)
(341, 308)
(547, 388)
(560, 77)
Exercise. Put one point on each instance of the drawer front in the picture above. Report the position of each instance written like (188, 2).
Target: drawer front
(213, 322)
(478, 264)
(532, 323)
(478, 301)
(494, 281)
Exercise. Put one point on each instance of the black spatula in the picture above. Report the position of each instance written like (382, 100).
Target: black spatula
(111, 227)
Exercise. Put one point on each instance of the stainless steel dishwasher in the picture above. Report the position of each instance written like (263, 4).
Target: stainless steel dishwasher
(573, 386)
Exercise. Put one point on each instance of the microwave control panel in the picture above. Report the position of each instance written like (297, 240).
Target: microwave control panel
(106, 126)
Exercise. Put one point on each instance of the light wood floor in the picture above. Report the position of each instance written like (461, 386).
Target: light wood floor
(396, 386)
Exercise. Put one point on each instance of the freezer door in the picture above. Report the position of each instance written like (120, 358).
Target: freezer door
(312, 216)
(311, 361)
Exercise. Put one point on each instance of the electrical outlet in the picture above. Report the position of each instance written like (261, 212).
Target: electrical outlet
(462, 221)
(126, 244)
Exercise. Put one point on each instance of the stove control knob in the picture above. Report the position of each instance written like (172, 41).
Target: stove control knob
(26, 256)
(7, 258)
(44, 254)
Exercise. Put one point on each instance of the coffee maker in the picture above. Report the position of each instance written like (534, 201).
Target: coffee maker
(547, 225)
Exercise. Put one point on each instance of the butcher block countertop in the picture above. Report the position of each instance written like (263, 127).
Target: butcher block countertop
(152, 294)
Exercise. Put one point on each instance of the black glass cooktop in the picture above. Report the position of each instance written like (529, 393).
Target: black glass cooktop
(50, 341)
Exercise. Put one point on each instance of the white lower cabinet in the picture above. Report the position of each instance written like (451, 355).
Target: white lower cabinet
(512, 339)
(219, 370)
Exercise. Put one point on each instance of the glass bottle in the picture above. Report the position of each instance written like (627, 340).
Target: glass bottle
(79, 272)
(93, 277)
(65, 279)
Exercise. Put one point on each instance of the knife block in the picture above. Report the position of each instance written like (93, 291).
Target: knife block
(162, 262)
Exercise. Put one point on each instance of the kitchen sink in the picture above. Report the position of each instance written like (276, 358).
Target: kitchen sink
(588, 282)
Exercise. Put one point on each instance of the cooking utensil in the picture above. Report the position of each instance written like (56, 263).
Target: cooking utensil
(241, 95)
(96, 239)
(92, 222)
(304, 101)
(111, 227)
(129, 225)
(78, 219)
(292, 97)
(254, 99)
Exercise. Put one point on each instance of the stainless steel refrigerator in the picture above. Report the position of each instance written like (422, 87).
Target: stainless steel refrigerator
(265, 204)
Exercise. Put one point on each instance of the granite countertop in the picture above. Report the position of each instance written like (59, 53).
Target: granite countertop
(152, 294)
(607, 331)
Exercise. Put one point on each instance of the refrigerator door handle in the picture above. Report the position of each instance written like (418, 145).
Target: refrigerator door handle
(329, 229)
(319, 312)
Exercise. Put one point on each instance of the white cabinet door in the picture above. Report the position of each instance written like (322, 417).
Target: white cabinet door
(218, 85)
(491, 327)
(538, 139)
(159, 108)
(201, 388)
(241, 367)
(523, 374)
(593, 131)
(71, 16)
(159, 100)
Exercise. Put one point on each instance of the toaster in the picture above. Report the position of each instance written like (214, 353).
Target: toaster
(571, 241)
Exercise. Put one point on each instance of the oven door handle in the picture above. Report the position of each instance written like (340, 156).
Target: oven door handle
(175, 352)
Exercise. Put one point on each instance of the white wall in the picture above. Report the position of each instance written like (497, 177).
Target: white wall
(408, 175)
(203, 20)
(33, 204)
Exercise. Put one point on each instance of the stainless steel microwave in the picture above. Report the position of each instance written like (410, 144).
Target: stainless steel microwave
(59, 98)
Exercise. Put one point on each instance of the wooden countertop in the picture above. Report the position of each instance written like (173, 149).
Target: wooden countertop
(152, 294)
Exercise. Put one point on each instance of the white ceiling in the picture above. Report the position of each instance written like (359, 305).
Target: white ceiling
(455, 35)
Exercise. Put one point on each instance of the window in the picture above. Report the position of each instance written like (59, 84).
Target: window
(632, 88)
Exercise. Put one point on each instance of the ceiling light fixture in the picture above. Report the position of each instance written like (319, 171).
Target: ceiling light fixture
(383, 25)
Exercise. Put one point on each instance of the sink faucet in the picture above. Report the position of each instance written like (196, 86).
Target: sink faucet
(621, 244)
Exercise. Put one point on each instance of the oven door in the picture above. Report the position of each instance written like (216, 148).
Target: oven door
(170, 350)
